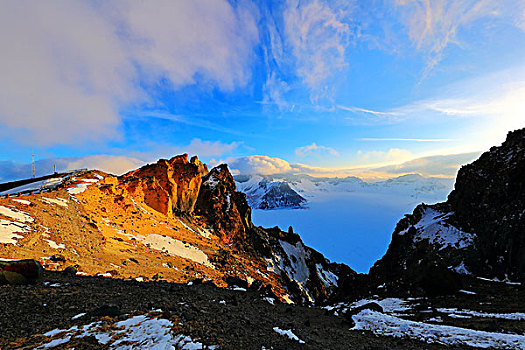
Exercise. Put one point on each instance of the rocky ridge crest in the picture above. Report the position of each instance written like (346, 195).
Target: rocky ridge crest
(479, 230)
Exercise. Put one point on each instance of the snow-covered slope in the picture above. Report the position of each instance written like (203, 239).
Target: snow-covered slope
(264, 193)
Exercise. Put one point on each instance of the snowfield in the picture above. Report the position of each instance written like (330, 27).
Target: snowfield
(388, 325)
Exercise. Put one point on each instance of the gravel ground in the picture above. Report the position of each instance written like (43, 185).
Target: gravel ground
(213, 316)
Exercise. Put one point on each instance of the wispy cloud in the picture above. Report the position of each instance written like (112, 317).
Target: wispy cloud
(392, 155)
(319, 35)
(368, 111)
(369, 116)
(439, 165)
(315, 149)
(178, 118)
(432, 25)
(306, 46)
(403, 140)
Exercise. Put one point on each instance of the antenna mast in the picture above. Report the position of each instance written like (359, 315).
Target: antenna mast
(33, 163)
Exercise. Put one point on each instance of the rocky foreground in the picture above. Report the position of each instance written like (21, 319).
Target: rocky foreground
(209, 316)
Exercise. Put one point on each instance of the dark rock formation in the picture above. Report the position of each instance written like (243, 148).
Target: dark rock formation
(307, 275)
(26, 271)
(480, 229)
(225, 209)
(489, 200)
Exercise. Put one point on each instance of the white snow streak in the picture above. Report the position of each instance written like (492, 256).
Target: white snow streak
(288, 333)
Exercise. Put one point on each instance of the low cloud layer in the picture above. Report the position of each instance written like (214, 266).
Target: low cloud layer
(437, 166)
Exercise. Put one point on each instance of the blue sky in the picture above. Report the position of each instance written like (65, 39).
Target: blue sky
(322, 87)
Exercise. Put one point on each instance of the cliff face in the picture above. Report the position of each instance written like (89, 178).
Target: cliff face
(169, 186)
(489, 199)
(225, 209)
(479, 230)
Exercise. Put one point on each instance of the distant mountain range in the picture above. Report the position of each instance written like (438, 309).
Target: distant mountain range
(294, 191)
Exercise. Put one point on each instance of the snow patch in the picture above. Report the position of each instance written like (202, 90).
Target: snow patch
(288, 333)
(58, 201)
(35, 186)
(136, 332)
(390, 305)
(432, 227)
(297, 270)
(78, 316)
(175, 247)
(22, 201)
(328, 278)
(211, 182)
(9, 230)
(519, 316)
(54, 244)
(16, 214)
(462, 269)
(79, 188)
(381, 324)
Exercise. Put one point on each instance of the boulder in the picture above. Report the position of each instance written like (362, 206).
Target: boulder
(26, 271)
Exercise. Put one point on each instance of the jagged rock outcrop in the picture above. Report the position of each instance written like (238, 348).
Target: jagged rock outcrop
(168, 186)
(225, 209)
(306, 273)
(489, 200)
(480, 229)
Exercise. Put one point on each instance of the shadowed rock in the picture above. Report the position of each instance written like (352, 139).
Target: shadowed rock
(27, 271)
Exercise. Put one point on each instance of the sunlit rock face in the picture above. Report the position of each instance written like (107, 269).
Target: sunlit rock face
(168, 186)
(479, 230)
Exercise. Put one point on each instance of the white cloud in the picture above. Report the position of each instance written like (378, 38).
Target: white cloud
(315, 149)
(259, 165)
(393, 154)
(111, 164)
(306, 47)
(67, 68)
(440, 165)
(496, 107)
